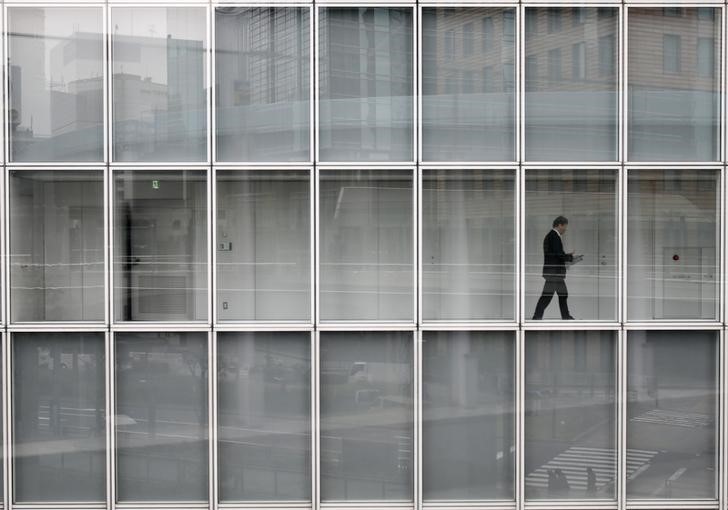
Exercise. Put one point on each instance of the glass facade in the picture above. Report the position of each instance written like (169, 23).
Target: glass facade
(363, 256)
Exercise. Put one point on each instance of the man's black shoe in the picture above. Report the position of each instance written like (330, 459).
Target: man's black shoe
(534, 318)
(569, 318)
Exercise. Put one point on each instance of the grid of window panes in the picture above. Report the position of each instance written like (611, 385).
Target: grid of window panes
(291, 255)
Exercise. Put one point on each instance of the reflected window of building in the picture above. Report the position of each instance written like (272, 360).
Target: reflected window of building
(160, 245)
(570, 415)
(571, 108)
(468, 255)
(161, 417)
(366, 245)
(57, 245)
(366, 84)
(673, 102)
(55, 84)
(263, 245)
(671, 44)
(262, 84)
(672, 414)
(468, 405)
(672, 245)
(366, 416)
(587, 199)
(159, 96)
(59, 418)
(467, 121)
(264, 401)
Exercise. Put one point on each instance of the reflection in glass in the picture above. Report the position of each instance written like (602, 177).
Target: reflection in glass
(161, 416)
(468, 97)
(366, 416)
(158, 83)
(674, 100)
(570, 415)
(264, 392)
(56, 83)
(160, 245)
(56, 245)
(59, 419)
(571, 105)
(262, 80)
(468, 403)
(672, 244)
(671, 414)
(366, 245)
(468, 256)
(588, 199)
(263, 245)
(365, 84)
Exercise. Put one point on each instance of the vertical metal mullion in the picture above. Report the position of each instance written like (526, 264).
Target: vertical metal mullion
(622, 82)
(110, 420)
(415, 83)
(418, 175)
(7, 417)
(417, 422)
(520, 89)
(621, 477)
(209, 199)
(315, 421)
(316, 177)
(315, 81)
(212, 418)
(208, 83)
(520, 302)
(520, 418)
(721, 416)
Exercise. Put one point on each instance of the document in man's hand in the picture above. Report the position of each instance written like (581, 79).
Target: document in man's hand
(575, 260)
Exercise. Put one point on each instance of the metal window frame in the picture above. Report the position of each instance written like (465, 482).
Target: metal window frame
(418, 325)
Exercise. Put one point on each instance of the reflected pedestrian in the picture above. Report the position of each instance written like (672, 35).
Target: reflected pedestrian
(591, 482)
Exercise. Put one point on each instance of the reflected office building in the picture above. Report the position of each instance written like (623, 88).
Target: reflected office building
(363, 256)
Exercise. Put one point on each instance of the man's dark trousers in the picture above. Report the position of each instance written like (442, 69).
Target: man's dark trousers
(553, 285)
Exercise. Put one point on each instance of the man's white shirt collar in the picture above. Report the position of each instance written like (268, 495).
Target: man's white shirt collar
(556, 231)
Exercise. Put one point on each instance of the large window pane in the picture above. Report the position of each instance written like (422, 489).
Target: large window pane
(674, 84)
(587, 199)
(571, 97)
(56, 245)
(468, 255)
(59, 417)
(366, 238)
(366, 416)
(264, 392)
(671, 414)
(468, 93)
(365, 84)
(672, 244)
(570, 415)
(262, 80)
(56, 83)
(263, 245)
(160, 245)
(161, 416)
(468, 402)
(159, 96)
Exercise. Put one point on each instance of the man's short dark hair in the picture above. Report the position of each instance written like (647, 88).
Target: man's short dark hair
(560, 220)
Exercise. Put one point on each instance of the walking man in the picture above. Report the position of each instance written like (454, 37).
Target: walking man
(554, 270)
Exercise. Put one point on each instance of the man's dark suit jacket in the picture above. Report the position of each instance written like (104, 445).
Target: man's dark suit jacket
(554, 258)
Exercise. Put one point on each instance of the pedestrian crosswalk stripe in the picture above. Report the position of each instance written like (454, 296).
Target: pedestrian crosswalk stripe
(674, 418)
(574, 461)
